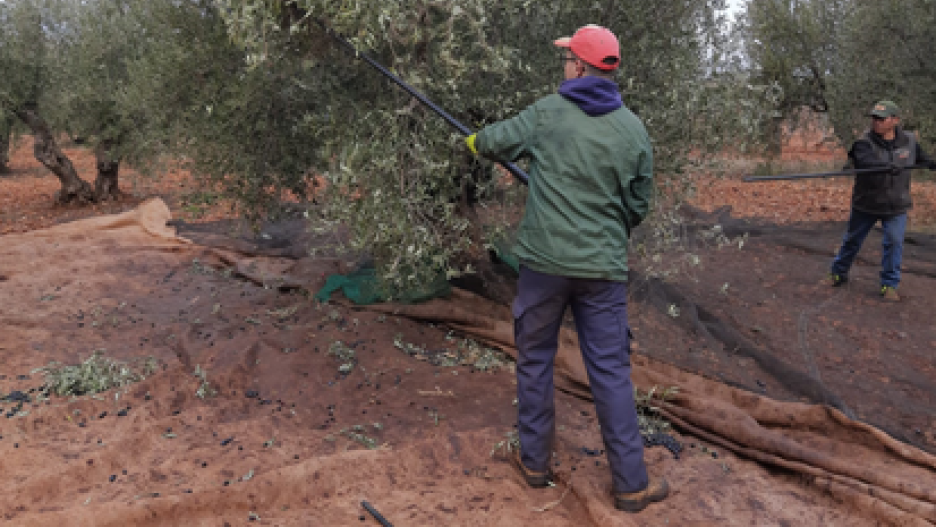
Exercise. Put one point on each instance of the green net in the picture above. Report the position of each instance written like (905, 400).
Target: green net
(363, 288)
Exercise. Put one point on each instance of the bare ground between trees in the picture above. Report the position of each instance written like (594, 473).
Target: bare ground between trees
(754, 318)
(27, 191)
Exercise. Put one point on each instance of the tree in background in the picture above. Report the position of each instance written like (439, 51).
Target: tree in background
(886, 53)
(794, 46)
(92, 46)
(840, 56)
(26, 30)
(249, 129)
(6, 136)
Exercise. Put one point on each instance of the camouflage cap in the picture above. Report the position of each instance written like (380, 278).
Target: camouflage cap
(884, 109)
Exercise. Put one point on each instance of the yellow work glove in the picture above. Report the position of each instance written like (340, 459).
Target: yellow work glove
(471, 143)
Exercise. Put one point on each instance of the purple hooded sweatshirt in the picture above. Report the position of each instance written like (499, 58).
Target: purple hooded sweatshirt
(594, 95)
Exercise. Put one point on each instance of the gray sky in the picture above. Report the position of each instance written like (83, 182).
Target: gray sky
(735, 5)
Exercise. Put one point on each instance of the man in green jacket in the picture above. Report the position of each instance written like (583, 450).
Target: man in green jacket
(591, 169)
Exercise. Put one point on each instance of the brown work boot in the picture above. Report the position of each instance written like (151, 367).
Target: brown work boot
(889, 294)
(657, 490)
(537, 480)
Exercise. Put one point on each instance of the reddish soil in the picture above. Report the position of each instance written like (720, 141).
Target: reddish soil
(809, 200)
(27, 190)
(168, 461)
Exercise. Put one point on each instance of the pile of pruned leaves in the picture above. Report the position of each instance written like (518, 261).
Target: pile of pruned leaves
(96, 374)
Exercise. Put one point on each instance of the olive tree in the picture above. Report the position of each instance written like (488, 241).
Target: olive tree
(92, 48)
(885, 51)
(840, 56)
(395, 171)
(27, 32)
(6, 133)
(794, 45)
(254, 97)
(193, 94)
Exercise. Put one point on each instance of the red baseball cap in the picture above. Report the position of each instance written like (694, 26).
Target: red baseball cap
(595, 45)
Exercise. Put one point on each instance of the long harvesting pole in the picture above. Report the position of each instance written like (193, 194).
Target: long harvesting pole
(512, 168)
(840, 173)
(377, 516)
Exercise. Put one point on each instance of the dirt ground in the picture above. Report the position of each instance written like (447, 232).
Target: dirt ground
(291, 440)
(27, 189)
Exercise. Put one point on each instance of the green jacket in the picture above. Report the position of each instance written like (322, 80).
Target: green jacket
(590, 185)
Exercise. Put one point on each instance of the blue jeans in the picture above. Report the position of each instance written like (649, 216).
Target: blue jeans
(600, 311)
(859, 225)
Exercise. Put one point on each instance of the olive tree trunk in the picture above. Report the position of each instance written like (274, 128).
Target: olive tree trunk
(775, 138)
(6, 131)
(108, 168)
(47, 152)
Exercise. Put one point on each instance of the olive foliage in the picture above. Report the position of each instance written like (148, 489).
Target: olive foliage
(885, 52)
(395, 171)
(93, 48)
(256, 99)
(792, 44)
(841, 56)
(23, 54)
(192, 96)
(28, 58)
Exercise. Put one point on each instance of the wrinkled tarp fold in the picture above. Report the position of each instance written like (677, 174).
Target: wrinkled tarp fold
(861, 467)
(853, 461)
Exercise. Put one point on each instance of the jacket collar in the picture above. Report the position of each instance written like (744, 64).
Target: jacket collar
(593, 95)
(900, 138)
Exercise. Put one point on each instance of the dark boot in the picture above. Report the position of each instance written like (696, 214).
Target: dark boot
(537, 480)
(657, 490)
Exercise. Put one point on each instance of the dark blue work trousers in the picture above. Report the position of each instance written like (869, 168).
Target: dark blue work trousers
(600, 311)
(859, 225)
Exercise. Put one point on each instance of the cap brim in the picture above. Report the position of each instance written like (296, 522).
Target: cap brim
(879, 114)
(564, 42)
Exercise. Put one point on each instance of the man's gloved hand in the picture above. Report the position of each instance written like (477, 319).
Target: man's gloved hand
(470, 140)
(895, 168)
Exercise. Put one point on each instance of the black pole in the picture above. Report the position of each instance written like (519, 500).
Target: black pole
(380, 519)
(840, 173)
(512, 168)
